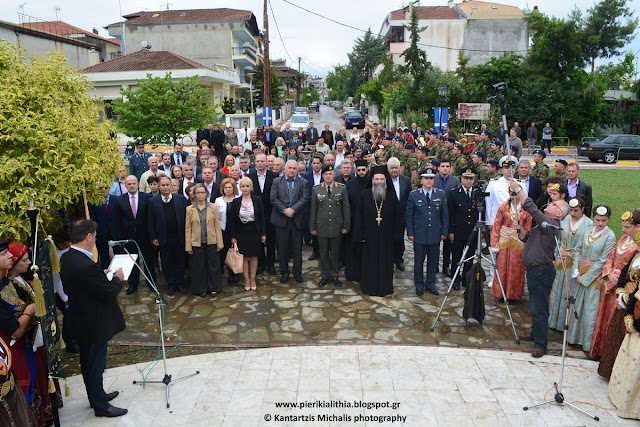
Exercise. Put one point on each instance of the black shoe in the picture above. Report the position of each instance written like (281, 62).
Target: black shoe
(485, 251)
(298, 278)
(111, 412)
(456, 287)
(272, 270)
(110, 397)
(447, 271)
(323, 283)
(171, 292)
(341, 266)
(433, 291)
(203, 295)
(131, 289)
(307, 243)
(400, 266)
(314, 256)
(72, 348)
(419, 291)
(260, 270)
(285, 278)
(182, 290)
(233, 279)
(338, 283)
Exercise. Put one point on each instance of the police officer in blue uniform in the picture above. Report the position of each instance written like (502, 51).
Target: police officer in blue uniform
(427, 220)
(462, 218)
(139, 161)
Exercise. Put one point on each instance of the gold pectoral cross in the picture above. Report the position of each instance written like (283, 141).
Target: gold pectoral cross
(379, 219)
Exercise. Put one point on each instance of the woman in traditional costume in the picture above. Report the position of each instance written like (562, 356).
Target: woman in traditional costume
(575, 226)
(624, 386)
(504, 238)
(621, 255)
(586, 281)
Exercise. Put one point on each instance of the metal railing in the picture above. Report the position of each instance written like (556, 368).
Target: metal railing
(567, 150)
(245, 50)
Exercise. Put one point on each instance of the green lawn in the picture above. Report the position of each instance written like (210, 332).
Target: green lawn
(618, 189)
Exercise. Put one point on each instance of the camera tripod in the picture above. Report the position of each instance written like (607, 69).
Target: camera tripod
(479, 232)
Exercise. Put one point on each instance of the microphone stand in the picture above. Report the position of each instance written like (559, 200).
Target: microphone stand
(559, 397)
(160, 302)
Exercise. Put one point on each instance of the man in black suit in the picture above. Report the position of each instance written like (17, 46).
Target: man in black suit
(289, 197)
(130, 221)
(217, 175)
(166, 231)
(188, 171)
(178, 157)
(578, 186)
(313, 176)
(204, 134)
(532, 185)
(262, 179)
(311, 135)
(402, 187)
(94, 316)
(445, 181)
(217, 141)
(212, 187)
(101, 215)
(462, 218)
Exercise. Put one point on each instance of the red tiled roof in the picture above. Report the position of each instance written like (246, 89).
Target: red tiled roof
(188, 15)
(115, 40)
(427, 12)
(145, 60)
(63, 29)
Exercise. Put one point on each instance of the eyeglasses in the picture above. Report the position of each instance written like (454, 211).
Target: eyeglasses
(201, 192)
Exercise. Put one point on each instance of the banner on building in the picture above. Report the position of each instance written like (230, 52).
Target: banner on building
(474, 111)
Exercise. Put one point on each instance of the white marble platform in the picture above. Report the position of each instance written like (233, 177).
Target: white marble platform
(432, 385)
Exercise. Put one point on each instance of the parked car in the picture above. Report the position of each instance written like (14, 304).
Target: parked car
(611, 148)
(299, 120)
(299, 110)
(354, 119)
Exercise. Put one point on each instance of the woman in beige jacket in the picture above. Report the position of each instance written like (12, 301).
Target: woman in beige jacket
(203, 240)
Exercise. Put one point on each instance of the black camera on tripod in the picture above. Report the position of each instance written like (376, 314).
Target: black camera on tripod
(498, 89)
(479, 195)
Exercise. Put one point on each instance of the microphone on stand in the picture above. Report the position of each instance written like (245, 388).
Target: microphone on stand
(113, 243)
(545, 224)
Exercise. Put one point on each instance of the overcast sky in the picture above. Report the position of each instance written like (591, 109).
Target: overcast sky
(320, 43)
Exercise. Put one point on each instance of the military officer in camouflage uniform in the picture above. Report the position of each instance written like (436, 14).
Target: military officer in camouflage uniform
(329, 220)
(446, 151)
(437, 144)
(458, 161)
(422, 162)
(540, 170)
(139, 161)
(401, 151)
(495, 152)
(410, 162)
(560, 168)
(479, 165)
(388, 151)
(493, 171)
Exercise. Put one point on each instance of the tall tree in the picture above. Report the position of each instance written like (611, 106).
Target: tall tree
(370, 53)
(53, 145)
(415, 59)
(162, 110)
(338, 81)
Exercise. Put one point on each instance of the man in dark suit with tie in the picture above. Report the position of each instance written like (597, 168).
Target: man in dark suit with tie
(179, 156)
(166, 231)
(313, 176)
(131, 222)
(101, 215)
(311, 134)
(532, 185)
(445, 181)
(462, 218)
(402, 187)
(188, 171)
(262, 179)
(289, 197)
(93, 316)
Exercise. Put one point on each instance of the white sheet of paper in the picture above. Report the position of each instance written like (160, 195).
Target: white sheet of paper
(125, 262)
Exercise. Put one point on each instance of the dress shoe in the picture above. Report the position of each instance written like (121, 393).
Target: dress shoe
(338, 283)
(456, 287)
(111, 412)
(298, 278)
(419, 291)
(433, 291)
(307, 243)
(171, 292)
(526, 337)
(272, 270)
(260, 270)
(400, 266)
(485, 251)
(314, 256)
(323, 283)
(285, 278)
(447, 271)
(341, 266)
(182, 290)
(538, 352)
(203, 295)
(110, 397)
(131, 289)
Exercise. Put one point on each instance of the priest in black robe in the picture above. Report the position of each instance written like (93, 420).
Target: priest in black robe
(378, 225)
(353, 247)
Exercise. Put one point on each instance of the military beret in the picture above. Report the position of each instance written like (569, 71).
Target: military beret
(435, 162)
(441, 137)
(424, 149)
(460, 147)
(481, 154)
(493, 162)
(428, 173)
(562, 161)
(400, 140)
(327, 168)
(470, 173)
(497, 142)
(486, 132)
(366, 152)
(311, 143)
(360, 163)
(541, 152)
(255, 146)
(451, 139)
(409, 147)
(514, 148)
(387, 138)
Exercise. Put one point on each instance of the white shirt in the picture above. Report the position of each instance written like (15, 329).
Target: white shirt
(339, 158)
(177, 159)
(499, 193)
(166, 199)
(185, 183)
(261, 179)
(396, 185)
(573, 188)
(317, 178)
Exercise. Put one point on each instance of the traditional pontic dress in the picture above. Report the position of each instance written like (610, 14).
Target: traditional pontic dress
(624, 386)
(509, 259)
(589, 259)
(625, 250)
(574, 232)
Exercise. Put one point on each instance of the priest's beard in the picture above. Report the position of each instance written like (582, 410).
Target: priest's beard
(379, 192)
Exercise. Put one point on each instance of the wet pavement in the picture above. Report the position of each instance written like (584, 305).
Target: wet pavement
(302, 314)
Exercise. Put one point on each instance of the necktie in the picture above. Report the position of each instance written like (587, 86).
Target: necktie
(133, 206)
(166, 200)
(329, 191)
(469, 194)
(428, 198)
(290, 192)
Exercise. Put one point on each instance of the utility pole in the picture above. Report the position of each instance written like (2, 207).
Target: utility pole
(267, 68)
(299, 80)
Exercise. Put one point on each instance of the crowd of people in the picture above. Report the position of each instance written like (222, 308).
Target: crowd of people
(351, 197)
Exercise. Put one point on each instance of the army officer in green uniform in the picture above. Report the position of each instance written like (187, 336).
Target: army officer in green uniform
(329, 219)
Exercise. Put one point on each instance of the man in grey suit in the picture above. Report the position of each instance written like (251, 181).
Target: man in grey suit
(289, 196)
(445, 181)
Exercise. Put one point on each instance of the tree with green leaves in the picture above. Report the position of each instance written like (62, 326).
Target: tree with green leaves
(277, 97)
(338, 80)
(309, 95)
(415, 59)
(53, 144)
(162, 110)
(369, 52)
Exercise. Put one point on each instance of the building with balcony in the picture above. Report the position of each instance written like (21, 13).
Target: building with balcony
(480, 29)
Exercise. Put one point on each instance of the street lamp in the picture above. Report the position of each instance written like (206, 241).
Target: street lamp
(442, 92)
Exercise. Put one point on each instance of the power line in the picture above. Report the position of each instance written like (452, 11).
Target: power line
(278, 28)
(419, 44)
